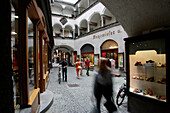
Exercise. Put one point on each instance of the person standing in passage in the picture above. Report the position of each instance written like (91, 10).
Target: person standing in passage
(103, 86)
(82, 66)
(78, 67)
(87, 63)
(64, 69)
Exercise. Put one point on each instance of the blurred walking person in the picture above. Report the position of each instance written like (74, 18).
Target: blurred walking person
(104, 86)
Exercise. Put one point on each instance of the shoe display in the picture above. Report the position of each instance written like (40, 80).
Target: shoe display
(138, 77)
(145, 92)
(138, 64)
(135, 89)
(147, 79)
(139, 91)
(151, 79)
(163, 81)
(141, 78)
(150, 92)
(158, 96)
(150, 61)
(163, 98)
(134, 77)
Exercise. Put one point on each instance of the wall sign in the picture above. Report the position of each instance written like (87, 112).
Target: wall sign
(109, 33)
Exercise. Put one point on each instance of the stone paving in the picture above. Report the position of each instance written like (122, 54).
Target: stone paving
(74, 96)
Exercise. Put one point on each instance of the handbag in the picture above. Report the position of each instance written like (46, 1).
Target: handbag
(79, 67)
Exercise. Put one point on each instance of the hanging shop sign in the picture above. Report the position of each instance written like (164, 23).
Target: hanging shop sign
(63, 20)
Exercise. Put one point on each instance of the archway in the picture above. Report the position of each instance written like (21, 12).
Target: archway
(95, 21)
(57, 30)
(87, 50)
(63, 51)
(68, 31)
(108, 18)
(83, 26)
(109, 49)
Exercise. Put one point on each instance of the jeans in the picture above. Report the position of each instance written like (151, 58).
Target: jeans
(64, 71)
(87, 73)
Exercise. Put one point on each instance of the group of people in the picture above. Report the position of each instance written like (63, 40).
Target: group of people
(103, 85)
(79, 67)
(82, 64)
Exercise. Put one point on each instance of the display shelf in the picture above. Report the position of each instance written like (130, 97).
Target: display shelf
(149, 96)
(147, 57)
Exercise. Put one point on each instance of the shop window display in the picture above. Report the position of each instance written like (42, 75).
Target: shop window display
(147, 68)
(31, 63)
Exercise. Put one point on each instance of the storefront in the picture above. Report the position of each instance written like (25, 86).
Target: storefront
(109, 49)
(147, 80)
(30, 55)
(88, 51)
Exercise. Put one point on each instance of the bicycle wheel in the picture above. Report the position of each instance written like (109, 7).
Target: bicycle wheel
(120, 97)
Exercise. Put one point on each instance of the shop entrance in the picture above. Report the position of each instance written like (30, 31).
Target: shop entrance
(87, 50)
(109, 49)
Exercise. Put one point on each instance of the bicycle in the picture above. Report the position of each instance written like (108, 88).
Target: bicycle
(59, 74)
(121, 94)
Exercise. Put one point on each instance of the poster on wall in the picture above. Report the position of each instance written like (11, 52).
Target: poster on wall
(96, 59)
(120, 60)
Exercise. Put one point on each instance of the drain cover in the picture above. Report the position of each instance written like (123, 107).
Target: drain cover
(73, 85)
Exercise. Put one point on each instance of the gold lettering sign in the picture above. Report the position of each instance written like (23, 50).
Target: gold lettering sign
(106, 34)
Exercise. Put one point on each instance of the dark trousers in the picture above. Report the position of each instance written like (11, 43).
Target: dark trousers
(64, 71)
(106, 91)
(87, 73)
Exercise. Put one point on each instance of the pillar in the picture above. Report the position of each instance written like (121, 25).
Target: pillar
(88, 26)
(23, 53)
(63, 32)
(102, 19)
(78, 31)
(6, 84)
(73, 33)
(41, 33)
(88, 1)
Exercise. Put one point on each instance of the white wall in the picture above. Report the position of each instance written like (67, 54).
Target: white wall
(97, 39)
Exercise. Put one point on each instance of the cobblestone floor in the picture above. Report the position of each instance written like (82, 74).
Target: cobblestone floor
(68, 99)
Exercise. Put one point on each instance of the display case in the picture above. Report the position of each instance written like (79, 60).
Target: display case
(147, 72)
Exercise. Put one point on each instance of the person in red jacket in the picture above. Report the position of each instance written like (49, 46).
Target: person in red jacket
(78, 67)
(87, 63)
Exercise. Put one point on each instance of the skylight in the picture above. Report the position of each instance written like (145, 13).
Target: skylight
(68, 1)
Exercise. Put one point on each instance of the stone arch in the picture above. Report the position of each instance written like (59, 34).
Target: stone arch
(83, 26)
(87, 50)
(95, 21)
(57, 29)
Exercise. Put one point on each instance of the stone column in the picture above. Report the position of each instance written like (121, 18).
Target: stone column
(88, 1)
(73, 33)
(88, 26)
(63, 32)
(102, 19)
(78, 31)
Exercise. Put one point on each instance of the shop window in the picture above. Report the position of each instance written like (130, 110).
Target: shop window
(147, 69)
